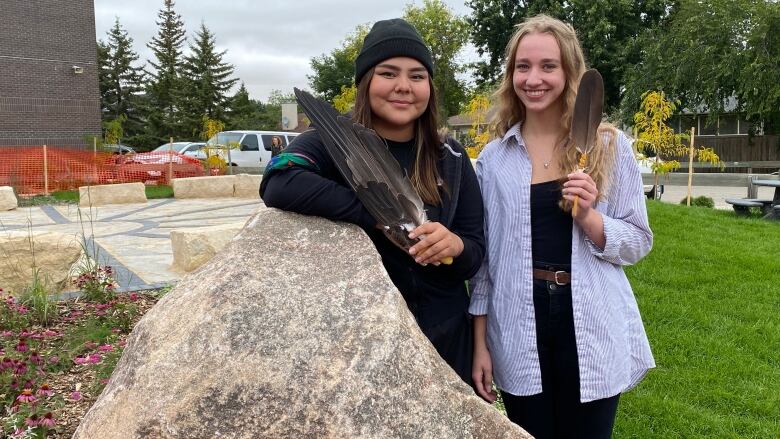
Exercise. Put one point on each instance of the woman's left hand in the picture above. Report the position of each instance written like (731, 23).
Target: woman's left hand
(580, 184)
(438, 244)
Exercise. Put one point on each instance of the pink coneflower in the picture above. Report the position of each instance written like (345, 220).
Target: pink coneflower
(26, 396)
(133, 296)
(22, 346)
(7, 334)
(45, 390)
(36, 358)
(7, 363)
(32, 421)
(47, 420)
(122, 343)
(54, 359)
(81, 360)
(20, 368)
(105, 348)
(95, 358)
(24, 334)
(21, 309)
(100, 313)
(50, 333)
(75, 396)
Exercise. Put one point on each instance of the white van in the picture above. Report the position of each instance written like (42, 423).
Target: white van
(254, 147)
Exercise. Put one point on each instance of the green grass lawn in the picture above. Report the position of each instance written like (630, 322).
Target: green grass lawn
(709, 293)
(72, 196)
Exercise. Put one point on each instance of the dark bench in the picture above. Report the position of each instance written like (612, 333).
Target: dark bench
(742, 205)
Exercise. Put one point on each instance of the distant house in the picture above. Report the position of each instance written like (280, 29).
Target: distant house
(49, 82)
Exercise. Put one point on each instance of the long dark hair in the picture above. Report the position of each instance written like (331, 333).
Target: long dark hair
(425, 172)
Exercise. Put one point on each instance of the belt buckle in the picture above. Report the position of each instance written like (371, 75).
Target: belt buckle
(557, 282)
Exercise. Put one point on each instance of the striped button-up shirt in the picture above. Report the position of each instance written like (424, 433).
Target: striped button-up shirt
(612, 346)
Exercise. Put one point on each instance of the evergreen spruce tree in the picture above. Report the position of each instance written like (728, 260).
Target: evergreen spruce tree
(121, 82)
(164, 89)
(207, 80)
(244, 113)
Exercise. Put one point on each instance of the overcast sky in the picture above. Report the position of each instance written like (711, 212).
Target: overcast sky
(270, 42)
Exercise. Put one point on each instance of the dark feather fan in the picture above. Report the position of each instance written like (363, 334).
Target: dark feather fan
(368, 167)
(586, 118)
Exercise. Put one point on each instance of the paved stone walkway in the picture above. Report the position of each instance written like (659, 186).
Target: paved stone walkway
(132, 238)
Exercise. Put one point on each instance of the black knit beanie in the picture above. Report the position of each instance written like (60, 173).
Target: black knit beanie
(388, 39)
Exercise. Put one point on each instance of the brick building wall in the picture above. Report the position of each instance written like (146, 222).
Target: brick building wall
(42, 99)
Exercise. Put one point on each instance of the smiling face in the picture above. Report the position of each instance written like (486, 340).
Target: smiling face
(398, 95)
(539, 78)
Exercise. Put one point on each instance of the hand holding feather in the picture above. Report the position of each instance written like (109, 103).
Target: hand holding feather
(437, 244)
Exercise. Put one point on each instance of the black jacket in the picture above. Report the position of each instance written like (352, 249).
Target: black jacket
(435, 295)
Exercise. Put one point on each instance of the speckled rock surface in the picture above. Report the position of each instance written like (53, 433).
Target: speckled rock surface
(297, 332)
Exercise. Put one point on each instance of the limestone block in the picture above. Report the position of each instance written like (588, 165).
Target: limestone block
(52, 253)
(195, 246)
(105, 194)
(247, 186)
(8, 198)
(217, 186)
(295, 331)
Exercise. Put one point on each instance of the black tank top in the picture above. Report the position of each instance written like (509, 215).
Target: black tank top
(550, 226)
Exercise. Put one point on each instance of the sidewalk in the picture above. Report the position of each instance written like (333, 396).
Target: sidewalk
(132, 238)
(673, 194)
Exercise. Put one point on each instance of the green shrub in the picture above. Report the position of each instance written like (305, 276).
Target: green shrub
(700, 201)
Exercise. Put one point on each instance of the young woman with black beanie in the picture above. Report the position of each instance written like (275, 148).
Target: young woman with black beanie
(396, 98)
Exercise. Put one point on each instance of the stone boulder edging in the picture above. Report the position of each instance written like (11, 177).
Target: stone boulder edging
(105, 194)
(192, 247)
(52, 253)
(8, 199)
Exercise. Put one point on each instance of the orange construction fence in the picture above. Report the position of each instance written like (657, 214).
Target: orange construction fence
(33, 170)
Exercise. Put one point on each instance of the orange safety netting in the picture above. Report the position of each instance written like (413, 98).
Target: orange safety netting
(36, 169)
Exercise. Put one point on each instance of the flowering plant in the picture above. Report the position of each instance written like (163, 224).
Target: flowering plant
(97, 283)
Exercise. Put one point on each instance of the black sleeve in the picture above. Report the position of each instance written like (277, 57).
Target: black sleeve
(319, 190)
(468, 222)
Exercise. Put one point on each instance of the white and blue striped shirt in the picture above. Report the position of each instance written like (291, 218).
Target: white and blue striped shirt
(612, 346)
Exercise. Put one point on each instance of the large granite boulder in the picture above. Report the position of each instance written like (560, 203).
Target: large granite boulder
(293, 331)
(51, 254)
(8, 198)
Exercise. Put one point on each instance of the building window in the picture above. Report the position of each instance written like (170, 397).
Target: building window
(707, 130)
(728, 124)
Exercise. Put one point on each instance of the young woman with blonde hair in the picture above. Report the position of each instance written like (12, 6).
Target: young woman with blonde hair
(556, 322)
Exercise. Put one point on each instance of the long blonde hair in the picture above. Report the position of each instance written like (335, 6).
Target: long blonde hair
(510, 109)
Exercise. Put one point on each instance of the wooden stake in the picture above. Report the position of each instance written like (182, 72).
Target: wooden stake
(45, 172)
(690, 166)
(170, 162)
(94, 160)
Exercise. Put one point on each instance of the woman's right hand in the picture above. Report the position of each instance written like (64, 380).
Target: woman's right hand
(482, 365)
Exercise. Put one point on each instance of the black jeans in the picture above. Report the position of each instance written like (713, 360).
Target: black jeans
(557, 412)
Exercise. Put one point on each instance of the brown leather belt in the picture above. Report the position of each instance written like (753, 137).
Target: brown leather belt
(559, 277)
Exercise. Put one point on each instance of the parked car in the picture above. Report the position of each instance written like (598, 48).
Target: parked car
(245, 146)
(187, 148)
(117, 149)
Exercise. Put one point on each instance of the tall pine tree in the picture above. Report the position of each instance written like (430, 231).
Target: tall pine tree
(164, 89)
(207, 80)
(121, 82)
(244, 113)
